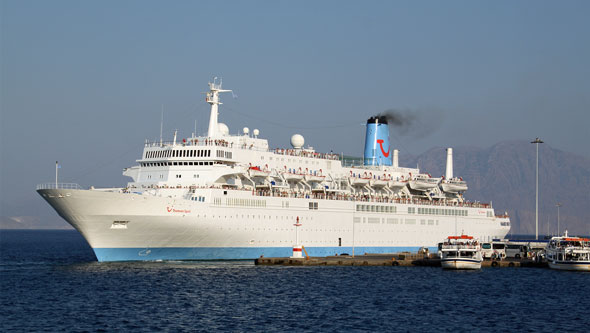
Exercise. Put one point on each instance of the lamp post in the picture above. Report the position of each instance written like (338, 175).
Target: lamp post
(558, 205)
(536, 142)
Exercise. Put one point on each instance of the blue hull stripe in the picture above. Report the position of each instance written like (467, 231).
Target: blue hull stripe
(230, 253)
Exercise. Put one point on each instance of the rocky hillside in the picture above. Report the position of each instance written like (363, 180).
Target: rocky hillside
(505, 175)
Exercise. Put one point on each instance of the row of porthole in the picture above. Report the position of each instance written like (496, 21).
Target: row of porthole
(264, 217)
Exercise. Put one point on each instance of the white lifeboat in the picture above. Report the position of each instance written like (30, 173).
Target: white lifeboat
(359, 179)
(454, 185)
(423, 182)
(292, 174)
(257, 172)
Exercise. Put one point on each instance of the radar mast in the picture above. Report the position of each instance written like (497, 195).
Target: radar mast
(213, 99)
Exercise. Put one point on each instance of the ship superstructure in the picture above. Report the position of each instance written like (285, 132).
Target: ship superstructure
(223, 196)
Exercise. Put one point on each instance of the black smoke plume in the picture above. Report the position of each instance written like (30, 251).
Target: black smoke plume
(414, 123)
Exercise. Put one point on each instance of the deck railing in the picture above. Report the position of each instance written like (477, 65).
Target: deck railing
(59, 186)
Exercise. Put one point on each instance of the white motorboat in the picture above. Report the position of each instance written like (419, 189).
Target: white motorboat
(569, 253)
(460, 252)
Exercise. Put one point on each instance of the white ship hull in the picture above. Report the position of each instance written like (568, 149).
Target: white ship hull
(460, 264)
(128, 226)
(570, 265)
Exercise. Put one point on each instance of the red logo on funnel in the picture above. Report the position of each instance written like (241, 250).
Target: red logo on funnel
(380, 142)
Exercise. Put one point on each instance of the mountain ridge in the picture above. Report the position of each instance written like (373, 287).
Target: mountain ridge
(504, 174)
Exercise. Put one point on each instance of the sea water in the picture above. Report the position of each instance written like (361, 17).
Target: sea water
(50, 281)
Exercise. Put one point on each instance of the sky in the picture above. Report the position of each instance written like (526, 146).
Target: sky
(84, 82)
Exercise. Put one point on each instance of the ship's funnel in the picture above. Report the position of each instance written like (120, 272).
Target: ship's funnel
(377, 142)
(449, 173)
(396, 158)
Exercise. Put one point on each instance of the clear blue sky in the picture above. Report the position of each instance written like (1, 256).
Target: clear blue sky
(83, 82)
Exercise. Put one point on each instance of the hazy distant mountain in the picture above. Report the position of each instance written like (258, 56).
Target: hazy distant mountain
(505, 175)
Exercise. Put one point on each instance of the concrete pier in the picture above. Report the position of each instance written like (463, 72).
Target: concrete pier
(397, 259)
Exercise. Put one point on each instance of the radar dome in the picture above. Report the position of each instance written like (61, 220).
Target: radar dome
(255, 132)
(246, 130)
(297, 141)
(223, 129)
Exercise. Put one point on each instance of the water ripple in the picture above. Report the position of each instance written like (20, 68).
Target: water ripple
(51, 281)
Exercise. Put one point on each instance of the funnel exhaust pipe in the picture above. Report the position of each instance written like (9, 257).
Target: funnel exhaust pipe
(377, 149)
(449, 173)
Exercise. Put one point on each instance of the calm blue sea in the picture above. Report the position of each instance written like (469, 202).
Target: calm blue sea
(50, 281)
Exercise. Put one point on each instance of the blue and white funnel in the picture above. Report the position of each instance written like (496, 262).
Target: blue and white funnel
(377, 150)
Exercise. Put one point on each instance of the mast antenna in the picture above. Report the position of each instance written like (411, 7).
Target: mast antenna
(161, 124)
(212, 98)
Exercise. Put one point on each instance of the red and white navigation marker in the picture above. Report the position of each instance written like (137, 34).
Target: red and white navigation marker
(297, 247)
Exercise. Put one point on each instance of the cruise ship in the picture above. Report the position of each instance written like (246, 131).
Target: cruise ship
(232, 196)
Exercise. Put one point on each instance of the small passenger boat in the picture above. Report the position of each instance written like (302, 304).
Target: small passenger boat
(460, 252)
(569, 253)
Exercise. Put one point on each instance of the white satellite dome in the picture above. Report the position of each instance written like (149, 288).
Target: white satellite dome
(246, 130)
(297, 141)
(255, 132)
(223, 129)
